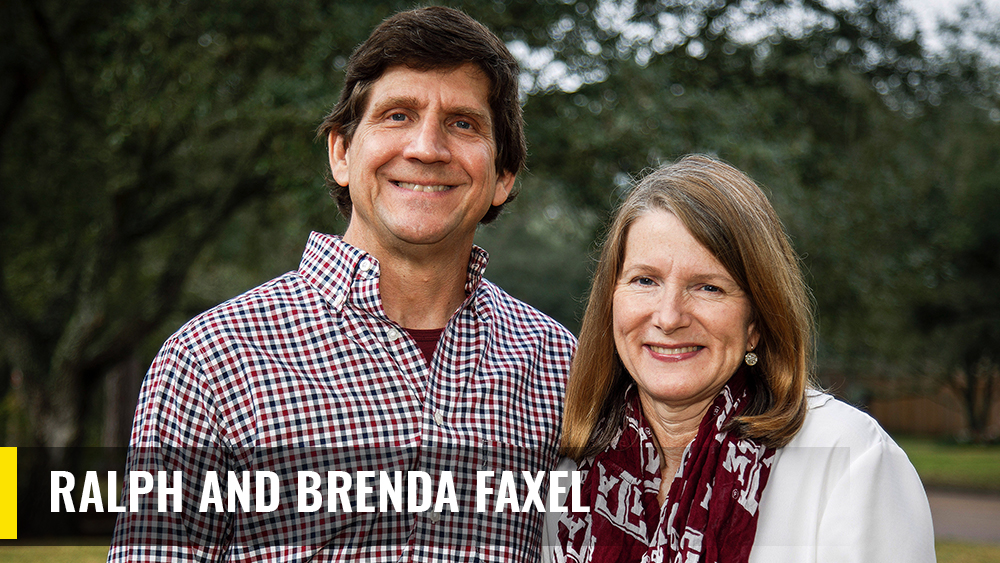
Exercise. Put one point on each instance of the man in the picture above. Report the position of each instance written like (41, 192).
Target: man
(386, 351)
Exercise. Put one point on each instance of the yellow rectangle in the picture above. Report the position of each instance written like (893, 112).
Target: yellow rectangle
(8, 493)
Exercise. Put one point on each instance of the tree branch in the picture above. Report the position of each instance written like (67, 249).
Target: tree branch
(55, 52)
(171, 281)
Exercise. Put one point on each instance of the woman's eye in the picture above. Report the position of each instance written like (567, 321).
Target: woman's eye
(711, 288)
(643, 280)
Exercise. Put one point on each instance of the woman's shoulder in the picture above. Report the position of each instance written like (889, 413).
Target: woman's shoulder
(831, 422)
(842, 490)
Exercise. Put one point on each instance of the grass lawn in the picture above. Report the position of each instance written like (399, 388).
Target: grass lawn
(955, 552)
(947, 552)
(944, 464)
(54, 554)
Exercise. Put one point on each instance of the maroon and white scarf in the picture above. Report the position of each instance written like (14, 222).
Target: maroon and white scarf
(710, 513)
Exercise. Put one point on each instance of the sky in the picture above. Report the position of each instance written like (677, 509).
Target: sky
(545, 70)
(928, 10)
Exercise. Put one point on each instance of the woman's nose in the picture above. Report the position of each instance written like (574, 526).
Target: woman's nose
(671, 311)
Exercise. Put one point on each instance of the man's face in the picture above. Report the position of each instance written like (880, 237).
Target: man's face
(421, 165)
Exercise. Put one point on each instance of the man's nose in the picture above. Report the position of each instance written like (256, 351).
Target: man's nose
(428, 143)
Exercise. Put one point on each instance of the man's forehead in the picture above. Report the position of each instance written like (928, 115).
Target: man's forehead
(394, 80)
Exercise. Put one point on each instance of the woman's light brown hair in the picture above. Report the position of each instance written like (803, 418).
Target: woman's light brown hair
(728, 214)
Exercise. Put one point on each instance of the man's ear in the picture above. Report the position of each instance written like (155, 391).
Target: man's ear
(505, 183)
(339, 158)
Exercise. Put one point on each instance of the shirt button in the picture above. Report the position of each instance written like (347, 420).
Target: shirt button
(338, 301)
(393, 334)
(365, 265)
(435, 517)
(439, 417)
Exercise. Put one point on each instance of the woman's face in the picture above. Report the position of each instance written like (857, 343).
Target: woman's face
(681, 324)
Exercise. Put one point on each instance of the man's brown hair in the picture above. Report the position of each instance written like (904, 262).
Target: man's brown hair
(425, 39)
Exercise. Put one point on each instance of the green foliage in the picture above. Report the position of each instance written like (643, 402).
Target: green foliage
(157, 158)
(133, 133)
(539, 251)
(862, 141)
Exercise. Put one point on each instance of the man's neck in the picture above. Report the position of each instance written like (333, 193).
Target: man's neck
(423, 295)
(421, 285)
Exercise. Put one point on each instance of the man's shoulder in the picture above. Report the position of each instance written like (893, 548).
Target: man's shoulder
(514, 315)
(285, 296)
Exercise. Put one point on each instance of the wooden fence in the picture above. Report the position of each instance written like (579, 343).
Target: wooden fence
(933, 414)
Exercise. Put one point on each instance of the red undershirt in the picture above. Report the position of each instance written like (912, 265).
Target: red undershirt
(427, 340)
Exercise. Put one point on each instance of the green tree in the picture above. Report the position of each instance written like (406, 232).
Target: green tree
(138, 141)
(956, 310)
(862, 137)
(157, 158)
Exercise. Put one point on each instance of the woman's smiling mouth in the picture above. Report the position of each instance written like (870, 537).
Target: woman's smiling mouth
(674, 351)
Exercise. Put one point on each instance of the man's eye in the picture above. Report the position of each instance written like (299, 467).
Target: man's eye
(462, 124)
(398, 117)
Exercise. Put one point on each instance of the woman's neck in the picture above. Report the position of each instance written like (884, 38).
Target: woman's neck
(673, 429)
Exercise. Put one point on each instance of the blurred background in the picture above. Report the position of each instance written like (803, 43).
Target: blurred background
(159, 157)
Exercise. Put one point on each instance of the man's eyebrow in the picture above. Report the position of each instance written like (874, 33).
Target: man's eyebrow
(395, 101)
(412, 102)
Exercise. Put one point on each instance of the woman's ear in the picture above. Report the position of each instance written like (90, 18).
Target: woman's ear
(753, 337)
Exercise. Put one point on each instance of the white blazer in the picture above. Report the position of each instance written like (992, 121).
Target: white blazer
(840, 492)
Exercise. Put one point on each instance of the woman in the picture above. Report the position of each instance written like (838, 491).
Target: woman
(689, 406)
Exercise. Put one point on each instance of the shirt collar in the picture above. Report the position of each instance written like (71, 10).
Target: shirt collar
(332, 266)
(477, 266)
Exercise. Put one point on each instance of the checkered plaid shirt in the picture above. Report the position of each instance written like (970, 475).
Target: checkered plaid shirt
(306, 371)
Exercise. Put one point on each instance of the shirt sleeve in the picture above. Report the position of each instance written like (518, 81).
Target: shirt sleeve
(877, 511)
(174, 436)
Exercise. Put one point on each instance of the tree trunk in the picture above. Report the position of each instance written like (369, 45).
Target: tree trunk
(54, 413)
(974, 386)
(121, 391)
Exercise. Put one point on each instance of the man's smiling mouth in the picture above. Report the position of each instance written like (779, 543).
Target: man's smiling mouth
(421, 188)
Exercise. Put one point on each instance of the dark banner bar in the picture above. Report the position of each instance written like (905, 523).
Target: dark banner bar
(448, 497)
